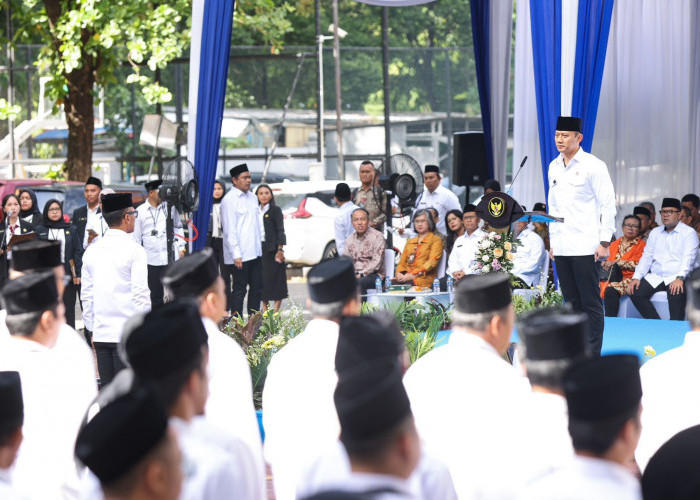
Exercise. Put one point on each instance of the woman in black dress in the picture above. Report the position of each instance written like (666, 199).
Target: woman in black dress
(12, 224)
(274, 268)
(28, 209)
(215, 237)
(55, 228)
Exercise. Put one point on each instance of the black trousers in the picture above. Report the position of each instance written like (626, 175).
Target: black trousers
(108, 361)
(155, 273)
(368, 282)
(217, 245)
(69, 301)
(612, 302)
(641, 298)
(580, 286)
(250, 275)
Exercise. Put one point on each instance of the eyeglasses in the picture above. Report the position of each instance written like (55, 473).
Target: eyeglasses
(55, 209)
(469, 217)
(630, 226)
(669, 212)
(134, 213)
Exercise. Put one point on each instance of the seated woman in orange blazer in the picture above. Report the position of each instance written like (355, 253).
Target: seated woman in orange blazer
(422, 254)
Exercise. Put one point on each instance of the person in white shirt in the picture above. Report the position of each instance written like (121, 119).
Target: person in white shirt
(96, 226)
(83, 216)
(436, 196)
(553, 339)
(150, 231)
(242, 231)
(114, 283)
(230, 402)
(464, 394)
(580, 191)
(668, 257)
(11, 420)
(377, 430)
(461, 261)
(300, 420)
(603, 399)
(528, 256)
(672, 473)
(667, 381)
(168, 348)
(130, 448)
(343, 221)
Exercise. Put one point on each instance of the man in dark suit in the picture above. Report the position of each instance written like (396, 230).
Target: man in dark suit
(81, 216)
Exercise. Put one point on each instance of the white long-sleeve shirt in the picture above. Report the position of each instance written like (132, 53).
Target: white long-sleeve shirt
(241, 226)
(153, 219)
(91, 223)
(114, 285)
(583, 194)
(527, 257)
(343, 225)
(463, 252)
(667, 255)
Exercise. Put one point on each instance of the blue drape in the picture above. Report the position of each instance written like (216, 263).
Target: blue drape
(545, 19)
(480, 11)
(594, 17)
(213, 72)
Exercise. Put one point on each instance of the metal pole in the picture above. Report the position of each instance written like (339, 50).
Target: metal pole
(159, 111)
(30, 104)
(178, 99)
(385, 77)
(319, 88)
(448, 97)
(338, 101)
(134, 138)
(11, 87)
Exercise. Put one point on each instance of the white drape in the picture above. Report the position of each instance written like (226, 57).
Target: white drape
(569, 19)
(528, 188)
(500, 36)
(646, 129)
(195, 49)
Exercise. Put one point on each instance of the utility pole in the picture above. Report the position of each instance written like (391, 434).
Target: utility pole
(385, 77)
(338, 100)
(319, 87)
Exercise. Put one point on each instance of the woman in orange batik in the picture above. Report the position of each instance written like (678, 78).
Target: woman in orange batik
(422, 254)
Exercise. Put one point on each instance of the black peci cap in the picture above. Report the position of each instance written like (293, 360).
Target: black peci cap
(191, 275)
(332, 281)
(30, 293)
(641, 211)
(554, 333)
(155, 184)
(369, 337)
(569, 124)
(602, 388)
(36, 254)
(672, 473)
(432, 168)
(239, 169)
(671, 203)
(94, 181)
(481, 293)
(115, 202)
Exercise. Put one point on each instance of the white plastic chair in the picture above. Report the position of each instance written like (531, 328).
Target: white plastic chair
(389, 262)
(442, 265)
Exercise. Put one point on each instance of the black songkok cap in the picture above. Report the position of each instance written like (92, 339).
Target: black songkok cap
(239, 169)
(554, 333)
(469, 207)
(492, 184)
(692, 284)
(569, 124)
(539, 207)
(162, 341)
(370, 400)
(601, 388)
(481, 293)
(365, 338)
(641, 211)
(30, 293)
(115, 202)
(94, 181)
(191, 275)
(36, 254)
(342, 191)
(151, 185)
(11, 403)
(432, 168)
(121, 434)
(332, 281)
(671, 203)
(672, 473)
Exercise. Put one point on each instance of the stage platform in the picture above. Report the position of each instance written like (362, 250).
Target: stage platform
(629, 335)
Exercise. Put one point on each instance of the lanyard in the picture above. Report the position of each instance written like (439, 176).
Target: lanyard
(155, 219)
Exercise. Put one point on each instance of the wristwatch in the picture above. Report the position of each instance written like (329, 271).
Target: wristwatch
(682, 278)
(606, 244)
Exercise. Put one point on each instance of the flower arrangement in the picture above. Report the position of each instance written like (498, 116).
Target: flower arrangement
(495, 253)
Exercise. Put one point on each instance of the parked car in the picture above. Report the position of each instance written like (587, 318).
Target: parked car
(309, 211)
(13, 186)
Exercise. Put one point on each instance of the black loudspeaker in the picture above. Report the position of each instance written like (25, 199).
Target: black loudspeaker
(469, 165)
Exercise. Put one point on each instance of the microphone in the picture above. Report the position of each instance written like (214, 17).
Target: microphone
(522, 163)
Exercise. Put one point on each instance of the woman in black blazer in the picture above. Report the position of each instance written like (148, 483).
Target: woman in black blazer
(274, 268)
(12, 224)
(55, 228)
(28, 208)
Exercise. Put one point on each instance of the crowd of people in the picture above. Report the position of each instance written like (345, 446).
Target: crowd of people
(346, 415)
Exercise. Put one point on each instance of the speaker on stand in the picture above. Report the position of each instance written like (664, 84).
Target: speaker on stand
(469, 165)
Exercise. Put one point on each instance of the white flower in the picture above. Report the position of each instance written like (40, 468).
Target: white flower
(485, 269)
(492, 235)
(485, 258)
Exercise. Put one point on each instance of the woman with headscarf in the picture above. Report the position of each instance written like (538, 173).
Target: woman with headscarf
(28, 208)
(215, 239)
(55, 228)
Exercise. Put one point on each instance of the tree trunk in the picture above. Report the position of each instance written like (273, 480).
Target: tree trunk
(78, 107)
